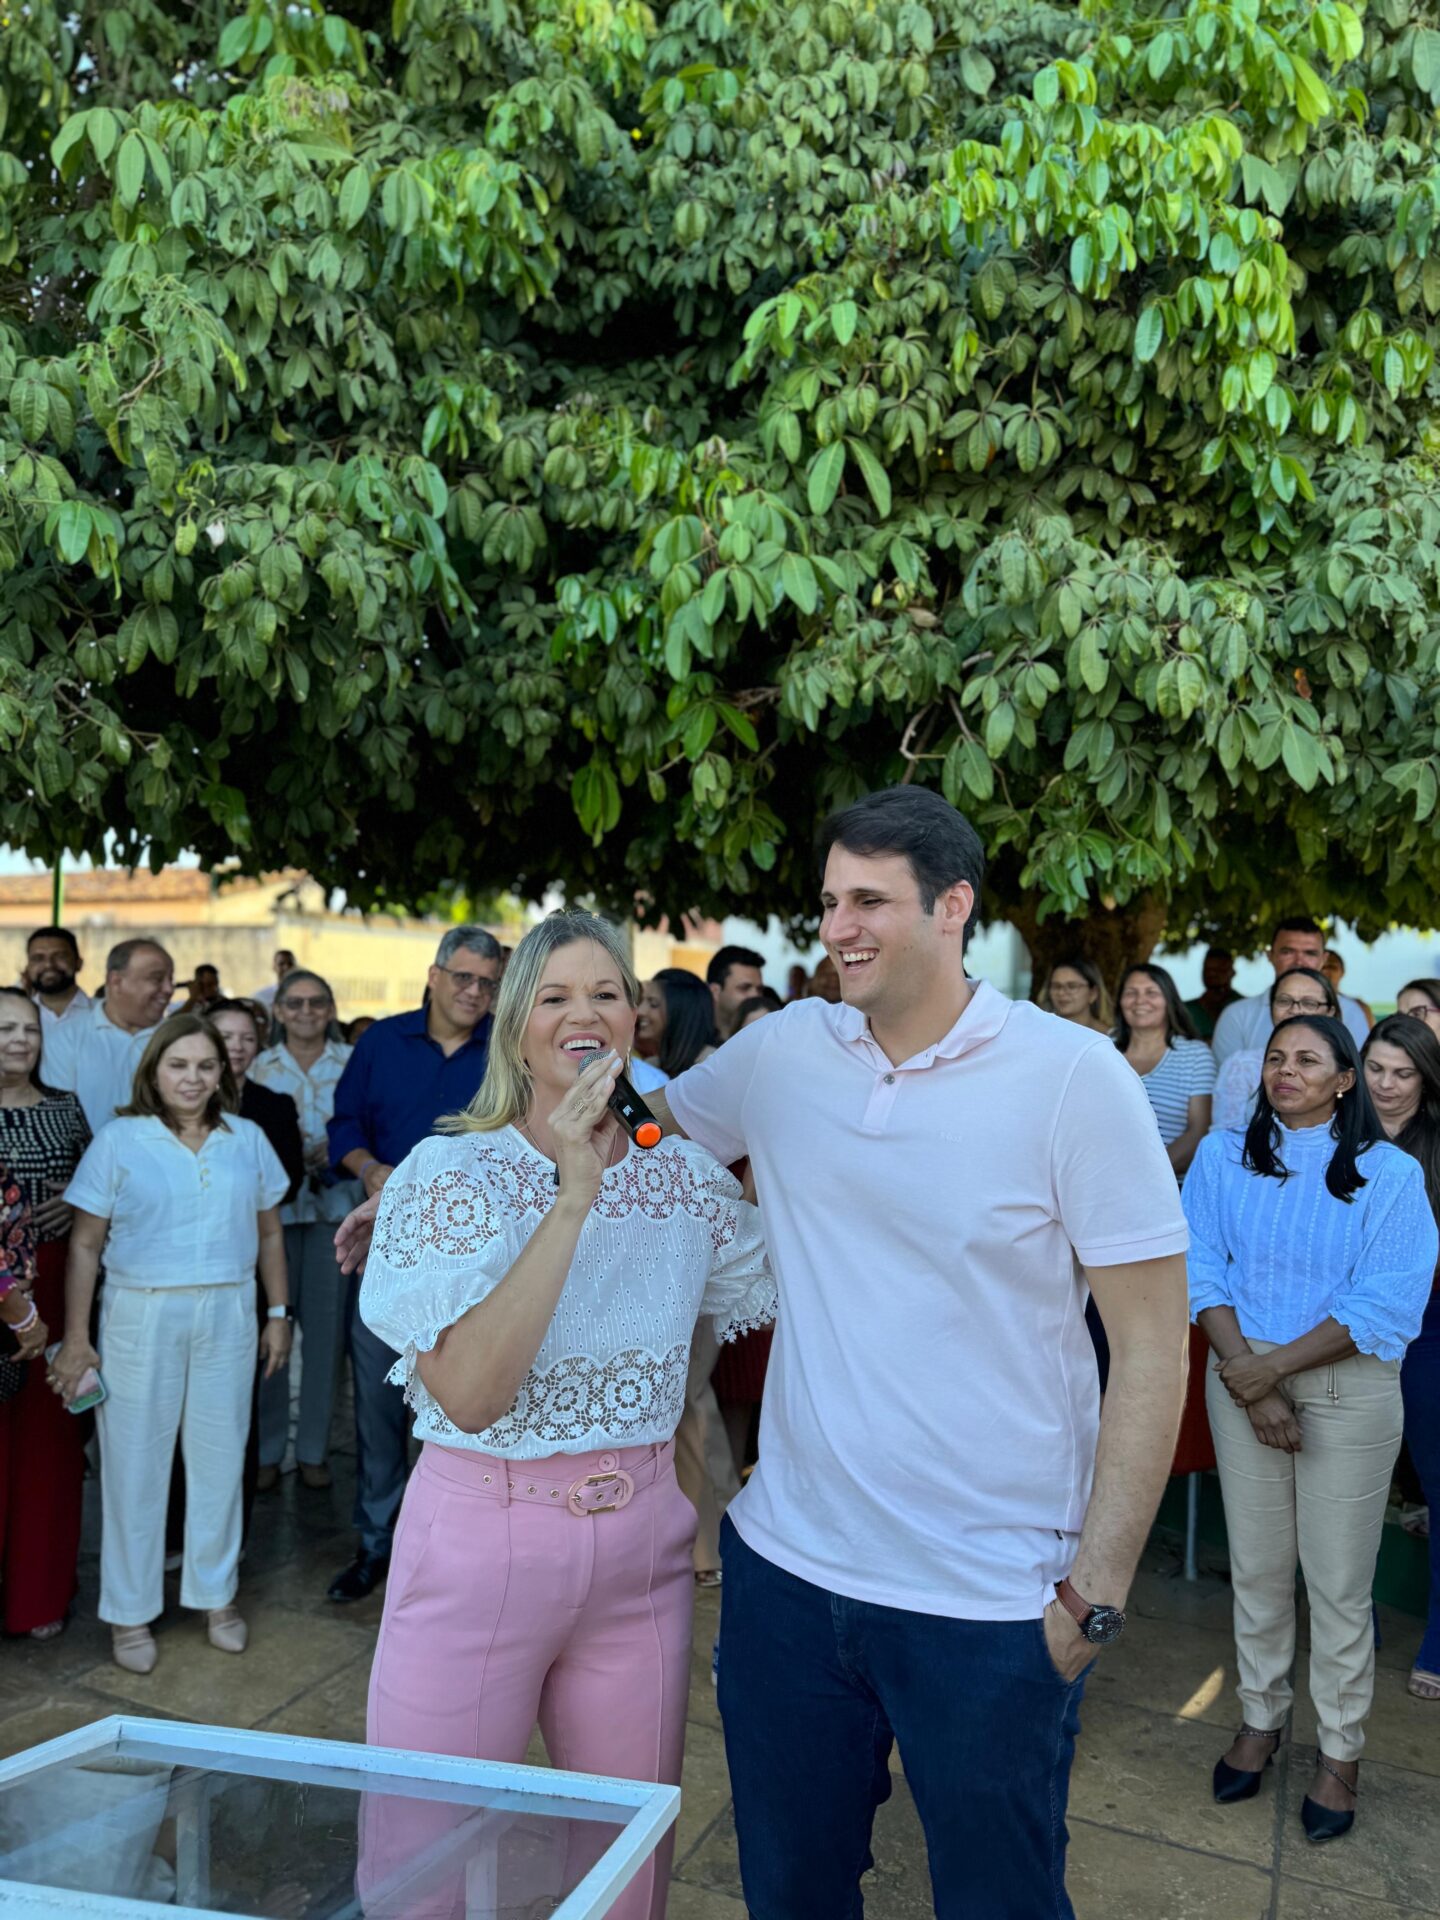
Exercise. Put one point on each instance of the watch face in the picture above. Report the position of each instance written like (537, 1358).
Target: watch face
(1104, 1625)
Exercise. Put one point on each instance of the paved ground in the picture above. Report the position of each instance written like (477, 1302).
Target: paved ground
(1148, 1842)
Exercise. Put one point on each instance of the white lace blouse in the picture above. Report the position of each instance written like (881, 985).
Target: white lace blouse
(669, 1238)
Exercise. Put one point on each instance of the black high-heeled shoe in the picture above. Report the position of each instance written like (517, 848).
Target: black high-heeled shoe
(1238, 1783)
(1328, 1823)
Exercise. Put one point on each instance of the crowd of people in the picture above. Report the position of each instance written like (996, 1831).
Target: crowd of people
(972, 1216)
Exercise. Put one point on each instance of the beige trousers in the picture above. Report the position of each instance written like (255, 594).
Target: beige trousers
(1323, 1508)
(704, 1464)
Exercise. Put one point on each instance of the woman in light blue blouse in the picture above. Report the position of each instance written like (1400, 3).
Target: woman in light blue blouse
(1312, 1247)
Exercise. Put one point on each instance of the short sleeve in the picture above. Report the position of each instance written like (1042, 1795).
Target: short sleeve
(1382, 1303)
(442, 1244)
(708, 1101)
(95, 1184)
(1200, 1070)
(1209, 1262)
(1229, 1036)
(272, 1181)
(1114, 1187)
(1237, 1081)
(739, 1291)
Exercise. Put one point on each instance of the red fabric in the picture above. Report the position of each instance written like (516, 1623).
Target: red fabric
(740, 1371)
(1195, 1450)
(42, 1473)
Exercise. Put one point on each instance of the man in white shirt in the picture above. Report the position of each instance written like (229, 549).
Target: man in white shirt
(1245, 1025)
(52, 961)
(931, 1550)
(95, 1055)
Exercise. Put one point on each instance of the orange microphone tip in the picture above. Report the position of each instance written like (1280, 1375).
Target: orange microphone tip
(647, 1134)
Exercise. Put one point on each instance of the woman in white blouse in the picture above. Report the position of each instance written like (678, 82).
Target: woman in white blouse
(541, 1279)
(307, 1065)
(181, 1196)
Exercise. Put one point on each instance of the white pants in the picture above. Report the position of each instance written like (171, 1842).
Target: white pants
(175, 1360)
(1325, 1508)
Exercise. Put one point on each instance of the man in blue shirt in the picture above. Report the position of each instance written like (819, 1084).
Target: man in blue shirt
(404, 1074)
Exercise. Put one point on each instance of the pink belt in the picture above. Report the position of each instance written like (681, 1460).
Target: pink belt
(580, 1484)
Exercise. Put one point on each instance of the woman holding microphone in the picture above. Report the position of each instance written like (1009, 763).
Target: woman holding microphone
(541, 1278)
(181, 1195)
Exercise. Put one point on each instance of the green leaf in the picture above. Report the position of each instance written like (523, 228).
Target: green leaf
(823, 480)
(797, 577)
(30, 407)
(69, 135)
(130, 169)
(844, 316)
(1047, 87)
(354, 197)
(73, 531)
(876, 478)
(976, 70)
(234, 41)
(1149, 333)
(1300, 753)
(1082, 261)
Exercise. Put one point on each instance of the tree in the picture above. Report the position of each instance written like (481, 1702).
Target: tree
(502, 444)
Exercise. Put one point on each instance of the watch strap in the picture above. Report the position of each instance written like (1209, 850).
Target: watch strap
(1078, 1609)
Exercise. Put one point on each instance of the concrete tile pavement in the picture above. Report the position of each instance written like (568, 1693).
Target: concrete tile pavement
(1148, 1843)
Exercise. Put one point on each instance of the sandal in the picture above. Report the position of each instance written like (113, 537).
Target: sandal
(51, 1630)
(1423, 1685)
(711, 1577)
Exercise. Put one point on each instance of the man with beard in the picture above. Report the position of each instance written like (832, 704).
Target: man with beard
(52, 960)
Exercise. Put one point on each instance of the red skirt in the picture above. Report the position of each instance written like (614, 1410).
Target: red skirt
(42, 1477)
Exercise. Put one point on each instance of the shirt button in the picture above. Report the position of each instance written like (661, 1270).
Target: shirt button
(889, 1079)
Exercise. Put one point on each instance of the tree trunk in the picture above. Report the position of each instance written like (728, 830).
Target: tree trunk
(1112, 938)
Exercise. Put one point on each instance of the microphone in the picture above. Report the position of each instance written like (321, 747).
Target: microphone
(633, 1114)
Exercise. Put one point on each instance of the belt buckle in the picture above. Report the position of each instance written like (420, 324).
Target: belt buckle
(619, 1479)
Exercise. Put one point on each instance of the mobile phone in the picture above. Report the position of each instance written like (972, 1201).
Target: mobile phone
(91, 1390)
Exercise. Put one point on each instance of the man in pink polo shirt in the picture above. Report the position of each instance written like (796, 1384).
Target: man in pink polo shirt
(932, 1549)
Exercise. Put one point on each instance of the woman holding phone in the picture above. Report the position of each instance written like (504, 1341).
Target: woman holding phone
(541, 1277)
(182, 1197)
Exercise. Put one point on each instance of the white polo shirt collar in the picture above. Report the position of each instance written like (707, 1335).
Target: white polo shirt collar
(982, 1019)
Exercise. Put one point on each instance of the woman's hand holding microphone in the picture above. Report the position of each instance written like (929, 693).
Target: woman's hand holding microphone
(583, 1131)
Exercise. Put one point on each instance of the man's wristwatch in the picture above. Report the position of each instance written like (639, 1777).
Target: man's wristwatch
(279, 1313)
(1100, 1625)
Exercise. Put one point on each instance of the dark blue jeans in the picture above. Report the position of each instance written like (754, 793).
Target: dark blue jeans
(814, 1691)
(382, 1430)
(1420, 1384)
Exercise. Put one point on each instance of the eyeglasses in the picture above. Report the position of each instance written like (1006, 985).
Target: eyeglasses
(477, 983)
(299, 1005)
(1301, 1006)
(1429, 1011)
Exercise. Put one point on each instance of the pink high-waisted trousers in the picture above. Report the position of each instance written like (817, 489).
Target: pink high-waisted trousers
(499, 1613)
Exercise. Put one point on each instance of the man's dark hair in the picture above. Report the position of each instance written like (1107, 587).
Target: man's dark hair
(938, 843)
(718, 971)
(206, 967)
(120, 956)
(1218, 953)
(54, 933)
(1355, 1128)
(1297, 923)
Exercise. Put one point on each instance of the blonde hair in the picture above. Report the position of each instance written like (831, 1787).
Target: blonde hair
(505, 1091)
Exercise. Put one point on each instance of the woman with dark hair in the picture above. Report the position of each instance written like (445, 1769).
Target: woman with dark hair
(1176, 1068)
(304, 1070)
(42, 1450)
(1312, 1250)
(675, 1021)
(181, 1196)
(1076, 990)
(1302, 990)
(1420, 1000)
(1402, 1074)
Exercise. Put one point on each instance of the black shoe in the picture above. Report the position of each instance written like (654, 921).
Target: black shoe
(1236, 1783)
(1328, 1823)
(360, 1579)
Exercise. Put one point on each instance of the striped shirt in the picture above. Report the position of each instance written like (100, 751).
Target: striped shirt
(1184, 1071)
